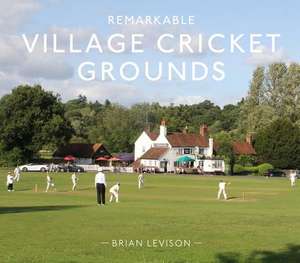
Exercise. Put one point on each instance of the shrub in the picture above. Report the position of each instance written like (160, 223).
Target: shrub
(251, 169)
(257, 170)
(263, 168)
(237, 169)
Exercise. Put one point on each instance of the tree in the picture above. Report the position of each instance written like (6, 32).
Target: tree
(291, 94)
(31, 119)
(279, 144)
(225, 149)
(274, 85)
(229, 117)
(253, 109)
(274, 93)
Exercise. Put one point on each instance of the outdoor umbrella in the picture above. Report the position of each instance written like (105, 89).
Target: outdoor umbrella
(101, 159)
(185, 159)
(69, 158)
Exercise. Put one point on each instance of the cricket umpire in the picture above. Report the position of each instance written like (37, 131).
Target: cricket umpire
(100, 184)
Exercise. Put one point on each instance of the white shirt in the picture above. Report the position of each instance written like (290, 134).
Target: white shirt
(17, 171)
(100, 178)
(293, 176)
(141, 177)
(115, 188)
(10, 179)
(74, 178)
(222, 185)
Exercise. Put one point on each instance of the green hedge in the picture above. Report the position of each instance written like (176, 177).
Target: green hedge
(256, 170)
(263, 168)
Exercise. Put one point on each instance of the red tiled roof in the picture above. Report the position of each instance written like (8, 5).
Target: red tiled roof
(152, 135)
(187, 140)
(154, 153)
(243, 148)
(81, 150)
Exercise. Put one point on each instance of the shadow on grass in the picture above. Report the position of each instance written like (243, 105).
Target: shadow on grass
(291, 254)
(29, 209)
(232, 197)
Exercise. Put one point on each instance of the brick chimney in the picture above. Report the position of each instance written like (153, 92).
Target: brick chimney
(204, 130)
(163, 128)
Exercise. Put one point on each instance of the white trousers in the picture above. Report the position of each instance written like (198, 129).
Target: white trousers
(222, 191)
(141, 184)
(293, 182)
(114, 194)
(49, 185)
(74, 186)
(17, 177)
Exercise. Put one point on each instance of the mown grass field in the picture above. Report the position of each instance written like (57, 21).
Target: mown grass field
(63, 226)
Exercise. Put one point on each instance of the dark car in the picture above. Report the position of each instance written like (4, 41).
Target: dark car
(70, 168)
(274, 173)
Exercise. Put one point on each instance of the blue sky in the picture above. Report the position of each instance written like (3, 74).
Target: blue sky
(58, 73)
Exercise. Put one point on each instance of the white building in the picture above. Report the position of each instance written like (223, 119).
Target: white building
(160, 151)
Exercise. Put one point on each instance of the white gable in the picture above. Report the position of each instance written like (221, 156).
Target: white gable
(142, 145)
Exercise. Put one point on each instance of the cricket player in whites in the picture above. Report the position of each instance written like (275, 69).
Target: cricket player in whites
(10, 182)
(74, 179)
(141, 180)
(293, 177)
(17, 174)
(114, 192)
(50, 182)
(222, 190)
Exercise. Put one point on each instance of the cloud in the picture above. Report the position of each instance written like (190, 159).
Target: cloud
(11, 52)
(47, 66)
(95, 90)
(15, 59)
(184, 100)
(15, 12)
(81, 35)
(267, 57)
(7, 82)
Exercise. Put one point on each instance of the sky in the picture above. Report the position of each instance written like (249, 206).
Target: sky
(58, 72)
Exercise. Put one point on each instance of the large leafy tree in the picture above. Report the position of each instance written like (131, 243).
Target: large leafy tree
(224, 142)
(31, 119)
(279, 144)
(255, 111)
(274, 93)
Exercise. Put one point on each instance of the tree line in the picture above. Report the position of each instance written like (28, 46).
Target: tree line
(32, 119)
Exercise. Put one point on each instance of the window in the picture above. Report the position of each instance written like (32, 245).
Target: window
(201, 151)
(179, 151)
(201, 163)
(217, 164)
(187, 151)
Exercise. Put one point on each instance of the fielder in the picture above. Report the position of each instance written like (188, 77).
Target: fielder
(141, 181)
(74, 179)
(114, 192)
(17, 174)
(222, 190)
(10, 182)
(293, 177)
(50, 182)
